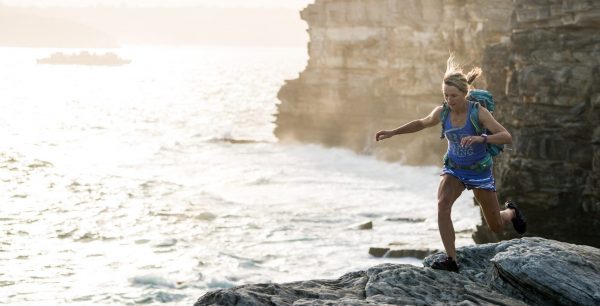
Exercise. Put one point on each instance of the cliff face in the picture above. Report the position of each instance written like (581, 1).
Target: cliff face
(376, 64)
(550, 101)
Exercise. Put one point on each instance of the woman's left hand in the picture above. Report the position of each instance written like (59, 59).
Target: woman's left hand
(469, 140)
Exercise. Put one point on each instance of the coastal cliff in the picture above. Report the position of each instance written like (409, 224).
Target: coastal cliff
(376, 64)
(517, 272)
(549, 99)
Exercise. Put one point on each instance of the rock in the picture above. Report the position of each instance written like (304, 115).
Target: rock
(409, 220)
(409, 285)
(378, 252)
(365, 226)
(349, 286)
(420, 254)
(568, 274)
(528, 271)
(397, 253)
(544, 271)
(206, 216)
(547, 99)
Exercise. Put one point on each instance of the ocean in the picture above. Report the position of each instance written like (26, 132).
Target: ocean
(158, 181)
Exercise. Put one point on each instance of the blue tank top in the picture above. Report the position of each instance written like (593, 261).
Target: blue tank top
(463, 156)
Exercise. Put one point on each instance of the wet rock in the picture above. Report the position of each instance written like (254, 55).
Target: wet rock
(365, 226)
(378, 252)
(408, 220)
(397, 253)
(166, 243)
(417, 253)
(206, 216)
(528, 271)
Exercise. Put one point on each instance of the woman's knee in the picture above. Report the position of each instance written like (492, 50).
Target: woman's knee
(449, 190)
(496, 227)
(489, 205)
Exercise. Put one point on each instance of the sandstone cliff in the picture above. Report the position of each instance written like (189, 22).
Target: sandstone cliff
(375, 64)
(550, 101)
(517, 272)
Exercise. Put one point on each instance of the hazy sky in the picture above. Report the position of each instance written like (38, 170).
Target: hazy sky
(81, 23)
(291, 4)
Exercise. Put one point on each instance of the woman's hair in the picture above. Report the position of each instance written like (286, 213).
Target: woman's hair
(454, 75)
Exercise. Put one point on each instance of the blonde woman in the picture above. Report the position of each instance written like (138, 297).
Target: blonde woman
(466, 148)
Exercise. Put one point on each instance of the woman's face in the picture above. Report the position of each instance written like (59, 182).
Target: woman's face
(454, 97)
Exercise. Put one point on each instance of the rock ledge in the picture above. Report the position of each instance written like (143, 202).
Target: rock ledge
(528, 271)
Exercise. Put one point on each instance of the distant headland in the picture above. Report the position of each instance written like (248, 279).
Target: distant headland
(84, 58)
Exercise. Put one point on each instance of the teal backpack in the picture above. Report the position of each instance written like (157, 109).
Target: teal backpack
(479, 97)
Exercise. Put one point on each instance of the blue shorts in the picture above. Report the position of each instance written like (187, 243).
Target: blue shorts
(473, 179)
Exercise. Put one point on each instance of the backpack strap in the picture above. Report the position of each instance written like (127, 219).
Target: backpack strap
(492, 149)
(474, 117)
(443, 116)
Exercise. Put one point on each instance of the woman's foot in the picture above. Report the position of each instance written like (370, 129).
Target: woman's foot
(447, 264)
(518, 220)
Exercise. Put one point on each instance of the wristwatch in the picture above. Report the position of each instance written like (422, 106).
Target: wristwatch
(484, 138)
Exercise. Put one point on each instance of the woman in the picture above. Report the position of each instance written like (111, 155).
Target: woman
(465, 149)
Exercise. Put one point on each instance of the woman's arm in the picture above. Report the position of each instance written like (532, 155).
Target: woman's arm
(500, 134)
(414, 126)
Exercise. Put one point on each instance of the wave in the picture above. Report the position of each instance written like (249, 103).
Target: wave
(160, 297)
(153, 281)
(219, 284)
(232, 140)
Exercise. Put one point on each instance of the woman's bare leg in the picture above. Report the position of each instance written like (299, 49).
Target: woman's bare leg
(496, 219)
(449, 190)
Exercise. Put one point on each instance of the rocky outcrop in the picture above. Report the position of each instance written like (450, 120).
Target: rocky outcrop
(549, 99)
(377, 64)
(528, 271)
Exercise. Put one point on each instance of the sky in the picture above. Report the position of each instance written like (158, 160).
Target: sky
(290, 4)
(109, 23)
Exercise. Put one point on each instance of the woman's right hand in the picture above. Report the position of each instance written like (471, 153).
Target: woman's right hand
(381, 135)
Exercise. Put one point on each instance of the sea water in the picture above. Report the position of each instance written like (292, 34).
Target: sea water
(158, 181)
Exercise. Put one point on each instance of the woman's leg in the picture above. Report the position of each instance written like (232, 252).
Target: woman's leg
(495, 219)
(449, 190)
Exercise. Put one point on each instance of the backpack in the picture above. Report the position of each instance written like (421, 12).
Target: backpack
(479, 97)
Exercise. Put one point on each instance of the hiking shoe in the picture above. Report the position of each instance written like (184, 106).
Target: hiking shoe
(518, 220)
(447, 264)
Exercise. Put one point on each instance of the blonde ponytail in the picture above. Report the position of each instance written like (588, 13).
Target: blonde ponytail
(473, 74)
